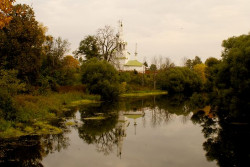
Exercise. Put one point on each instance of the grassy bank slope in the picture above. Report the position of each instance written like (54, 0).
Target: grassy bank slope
(143, 93)
(34, 113)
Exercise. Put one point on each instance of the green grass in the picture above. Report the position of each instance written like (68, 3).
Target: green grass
(143, 93)
(95, 118)
(82, 102)
(34, 113)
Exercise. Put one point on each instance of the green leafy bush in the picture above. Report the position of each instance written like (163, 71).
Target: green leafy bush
(100, 78)
(8, 111)
(10, 83)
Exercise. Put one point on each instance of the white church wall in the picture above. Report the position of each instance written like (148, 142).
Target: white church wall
(132, 68)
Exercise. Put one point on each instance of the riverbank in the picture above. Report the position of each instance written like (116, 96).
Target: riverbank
(34, 114)
(144, 93)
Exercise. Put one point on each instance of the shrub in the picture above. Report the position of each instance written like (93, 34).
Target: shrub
(100, 78)
(8, 111)
(9, 82)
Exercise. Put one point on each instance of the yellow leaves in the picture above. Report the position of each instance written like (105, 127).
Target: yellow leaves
(70, 62)
(200, 70)
(6, 7)
(43, 28)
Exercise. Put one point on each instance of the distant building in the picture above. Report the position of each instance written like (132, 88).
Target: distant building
(123, 60)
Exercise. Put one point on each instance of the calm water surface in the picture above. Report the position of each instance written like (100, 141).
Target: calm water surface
(164, 136)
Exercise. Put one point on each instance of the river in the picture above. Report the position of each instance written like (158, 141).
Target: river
(150, 131)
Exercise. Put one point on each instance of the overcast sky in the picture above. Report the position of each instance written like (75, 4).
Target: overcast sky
(170, 28)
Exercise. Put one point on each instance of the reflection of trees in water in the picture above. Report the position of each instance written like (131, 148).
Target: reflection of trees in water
(54, 143)
(29, 151)
(166, 107)
(105, 134)
(24, 152)
(106, 141)
(159, 116)
(102, 132)
(226, 142)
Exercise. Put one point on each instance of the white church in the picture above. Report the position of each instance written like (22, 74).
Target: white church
(123, 60)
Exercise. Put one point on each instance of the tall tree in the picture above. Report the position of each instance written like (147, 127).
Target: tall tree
(53, 64)
(188, 63)
(191, 63)
(197, 60)
(107, 42)
(89, 48)
(55, 49)
(21, 43)
(211, 71)
(199, 69)
(233, 78)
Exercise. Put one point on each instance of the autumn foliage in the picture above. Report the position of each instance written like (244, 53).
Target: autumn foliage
(5, 10)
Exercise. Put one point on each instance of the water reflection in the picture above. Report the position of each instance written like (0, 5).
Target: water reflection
(29, 151)
(25, 153)
(108, 134)
(101, 132)
(226, 142)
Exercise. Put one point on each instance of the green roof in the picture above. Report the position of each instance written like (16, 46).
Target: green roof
(133, 63)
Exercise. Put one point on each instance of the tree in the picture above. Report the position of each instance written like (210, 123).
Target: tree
(102, 45)
(70, 63)
(89, 48)
(69, 71)
(167, 64)
(211, 61)
(233, 79)
(191, 63)
(153, 68)
(6, 7)
(21, 43)
(53, 70)
(59, 48)
(101, 78)
(199, 69)
(197, 60)
(107, 42)
(211, 72)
